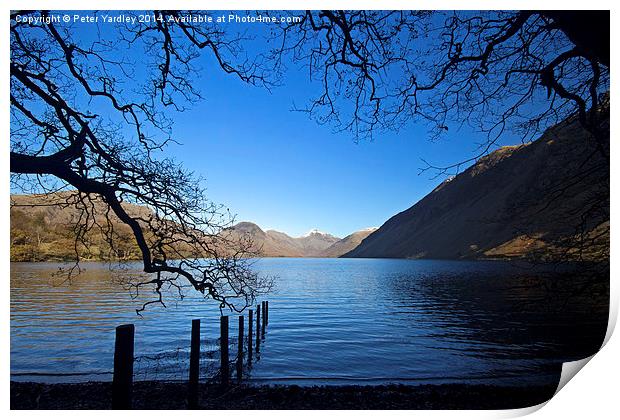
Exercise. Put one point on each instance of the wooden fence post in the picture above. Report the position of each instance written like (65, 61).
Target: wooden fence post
(240, 349)
(257, 328)
(250, 343)
(224, 368)
(194, 365)
(122, 382)
(264, 320)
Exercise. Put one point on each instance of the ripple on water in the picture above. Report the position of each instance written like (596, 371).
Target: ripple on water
(331, 321)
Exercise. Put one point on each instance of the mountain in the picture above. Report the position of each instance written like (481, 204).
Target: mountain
(347, 244)
(315, 242)
(548, 199)
(272, 243)
(43, 229)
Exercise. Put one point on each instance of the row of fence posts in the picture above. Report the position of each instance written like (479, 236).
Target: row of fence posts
(122, 382)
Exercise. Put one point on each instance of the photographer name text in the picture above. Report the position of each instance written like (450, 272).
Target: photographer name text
(146, 18)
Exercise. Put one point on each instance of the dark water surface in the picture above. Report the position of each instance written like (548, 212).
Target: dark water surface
(331, 321)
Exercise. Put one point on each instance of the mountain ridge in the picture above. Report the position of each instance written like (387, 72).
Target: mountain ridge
(273, 243)
(42, 229)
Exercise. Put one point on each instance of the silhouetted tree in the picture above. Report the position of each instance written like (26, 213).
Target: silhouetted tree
(491, 70)
(89, 114)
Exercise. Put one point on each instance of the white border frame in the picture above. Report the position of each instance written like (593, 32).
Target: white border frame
(592, 394)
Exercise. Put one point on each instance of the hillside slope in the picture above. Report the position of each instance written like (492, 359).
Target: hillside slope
(347, 243)
(548, 199)
(43, 228)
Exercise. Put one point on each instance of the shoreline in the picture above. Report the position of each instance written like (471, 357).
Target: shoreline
(172, 395)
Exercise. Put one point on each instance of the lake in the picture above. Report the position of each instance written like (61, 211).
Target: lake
(331, 321)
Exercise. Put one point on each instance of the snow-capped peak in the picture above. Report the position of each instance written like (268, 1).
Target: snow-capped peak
(315, 232)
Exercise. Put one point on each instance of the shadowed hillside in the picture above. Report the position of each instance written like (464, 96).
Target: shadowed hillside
(548, 199)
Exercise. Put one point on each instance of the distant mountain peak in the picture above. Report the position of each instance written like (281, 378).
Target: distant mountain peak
(314, 232)
(247, 227)
(275, 243)
(369, 229)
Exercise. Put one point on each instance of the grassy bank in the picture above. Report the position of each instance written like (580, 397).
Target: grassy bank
(168, 395)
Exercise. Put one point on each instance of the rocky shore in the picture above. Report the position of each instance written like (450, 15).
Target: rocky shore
(173, 395)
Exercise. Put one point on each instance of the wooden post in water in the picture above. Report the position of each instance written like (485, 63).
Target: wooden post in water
(264, 319)
(122, 382)
(194, 365)
(267, 312)
(250, 343)
(240, 350)
(224, 368)
(257, 328)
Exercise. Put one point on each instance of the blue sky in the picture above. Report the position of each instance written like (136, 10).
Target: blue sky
(280, 169)
(283, 171)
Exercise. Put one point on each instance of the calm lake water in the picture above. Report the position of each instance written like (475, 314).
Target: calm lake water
(331, 321)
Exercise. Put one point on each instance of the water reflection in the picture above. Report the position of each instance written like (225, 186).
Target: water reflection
(517, 322)
(335, 321)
